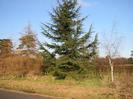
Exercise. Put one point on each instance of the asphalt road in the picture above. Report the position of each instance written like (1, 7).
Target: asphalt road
(5, 94)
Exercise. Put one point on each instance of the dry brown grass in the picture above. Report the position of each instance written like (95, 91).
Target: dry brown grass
(122, 88)
(65, 89)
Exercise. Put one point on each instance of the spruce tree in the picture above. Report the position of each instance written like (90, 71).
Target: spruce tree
(71, 46)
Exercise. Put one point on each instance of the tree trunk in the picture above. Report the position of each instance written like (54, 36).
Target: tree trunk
(112, 69)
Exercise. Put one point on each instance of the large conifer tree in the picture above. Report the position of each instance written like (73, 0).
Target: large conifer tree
(69, 43)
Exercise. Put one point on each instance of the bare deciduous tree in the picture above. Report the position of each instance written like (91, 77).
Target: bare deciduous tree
(111, 46)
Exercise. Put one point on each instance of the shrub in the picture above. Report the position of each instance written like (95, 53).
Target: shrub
(20, 65)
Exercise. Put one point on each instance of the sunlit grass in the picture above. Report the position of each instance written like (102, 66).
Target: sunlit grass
(60, 88)
(69, 88)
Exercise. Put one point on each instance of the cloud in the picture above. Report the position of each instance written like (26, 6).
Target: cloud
(85, 3)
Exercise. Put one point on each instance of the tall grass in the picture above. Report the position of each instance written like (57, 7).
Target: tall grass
(122, 88)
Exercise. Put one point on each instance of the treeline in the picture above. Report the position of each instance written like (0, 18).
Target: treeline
(23, 60)
(121, 61)
(121, 65)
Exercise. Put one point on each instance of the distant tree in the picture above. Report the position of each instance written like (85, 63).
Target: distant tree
(70, 45)
(120, 61)
(5, 47)
(28, 42)
(132, 54)
(5, 52)
(130, 60)
(27, 53)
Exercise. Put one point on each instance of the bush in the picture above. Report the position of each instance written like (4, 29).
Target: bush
(59, 75)
(20, 65)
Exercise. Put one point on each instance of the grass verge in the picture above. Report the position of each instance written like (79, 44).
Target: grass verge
(68, 89)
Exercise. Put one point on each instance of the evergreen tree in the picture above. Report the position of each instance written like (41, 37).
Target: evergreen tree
(28, 42)
(71, 46)
(132, 54)
(130, 60)
(6, 47)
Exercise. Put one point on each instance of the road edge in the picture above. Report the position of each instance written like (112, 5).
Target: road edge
(26, 93)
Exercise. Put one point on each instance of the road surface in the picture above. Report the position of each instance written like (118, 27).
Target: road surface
(5, 94)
